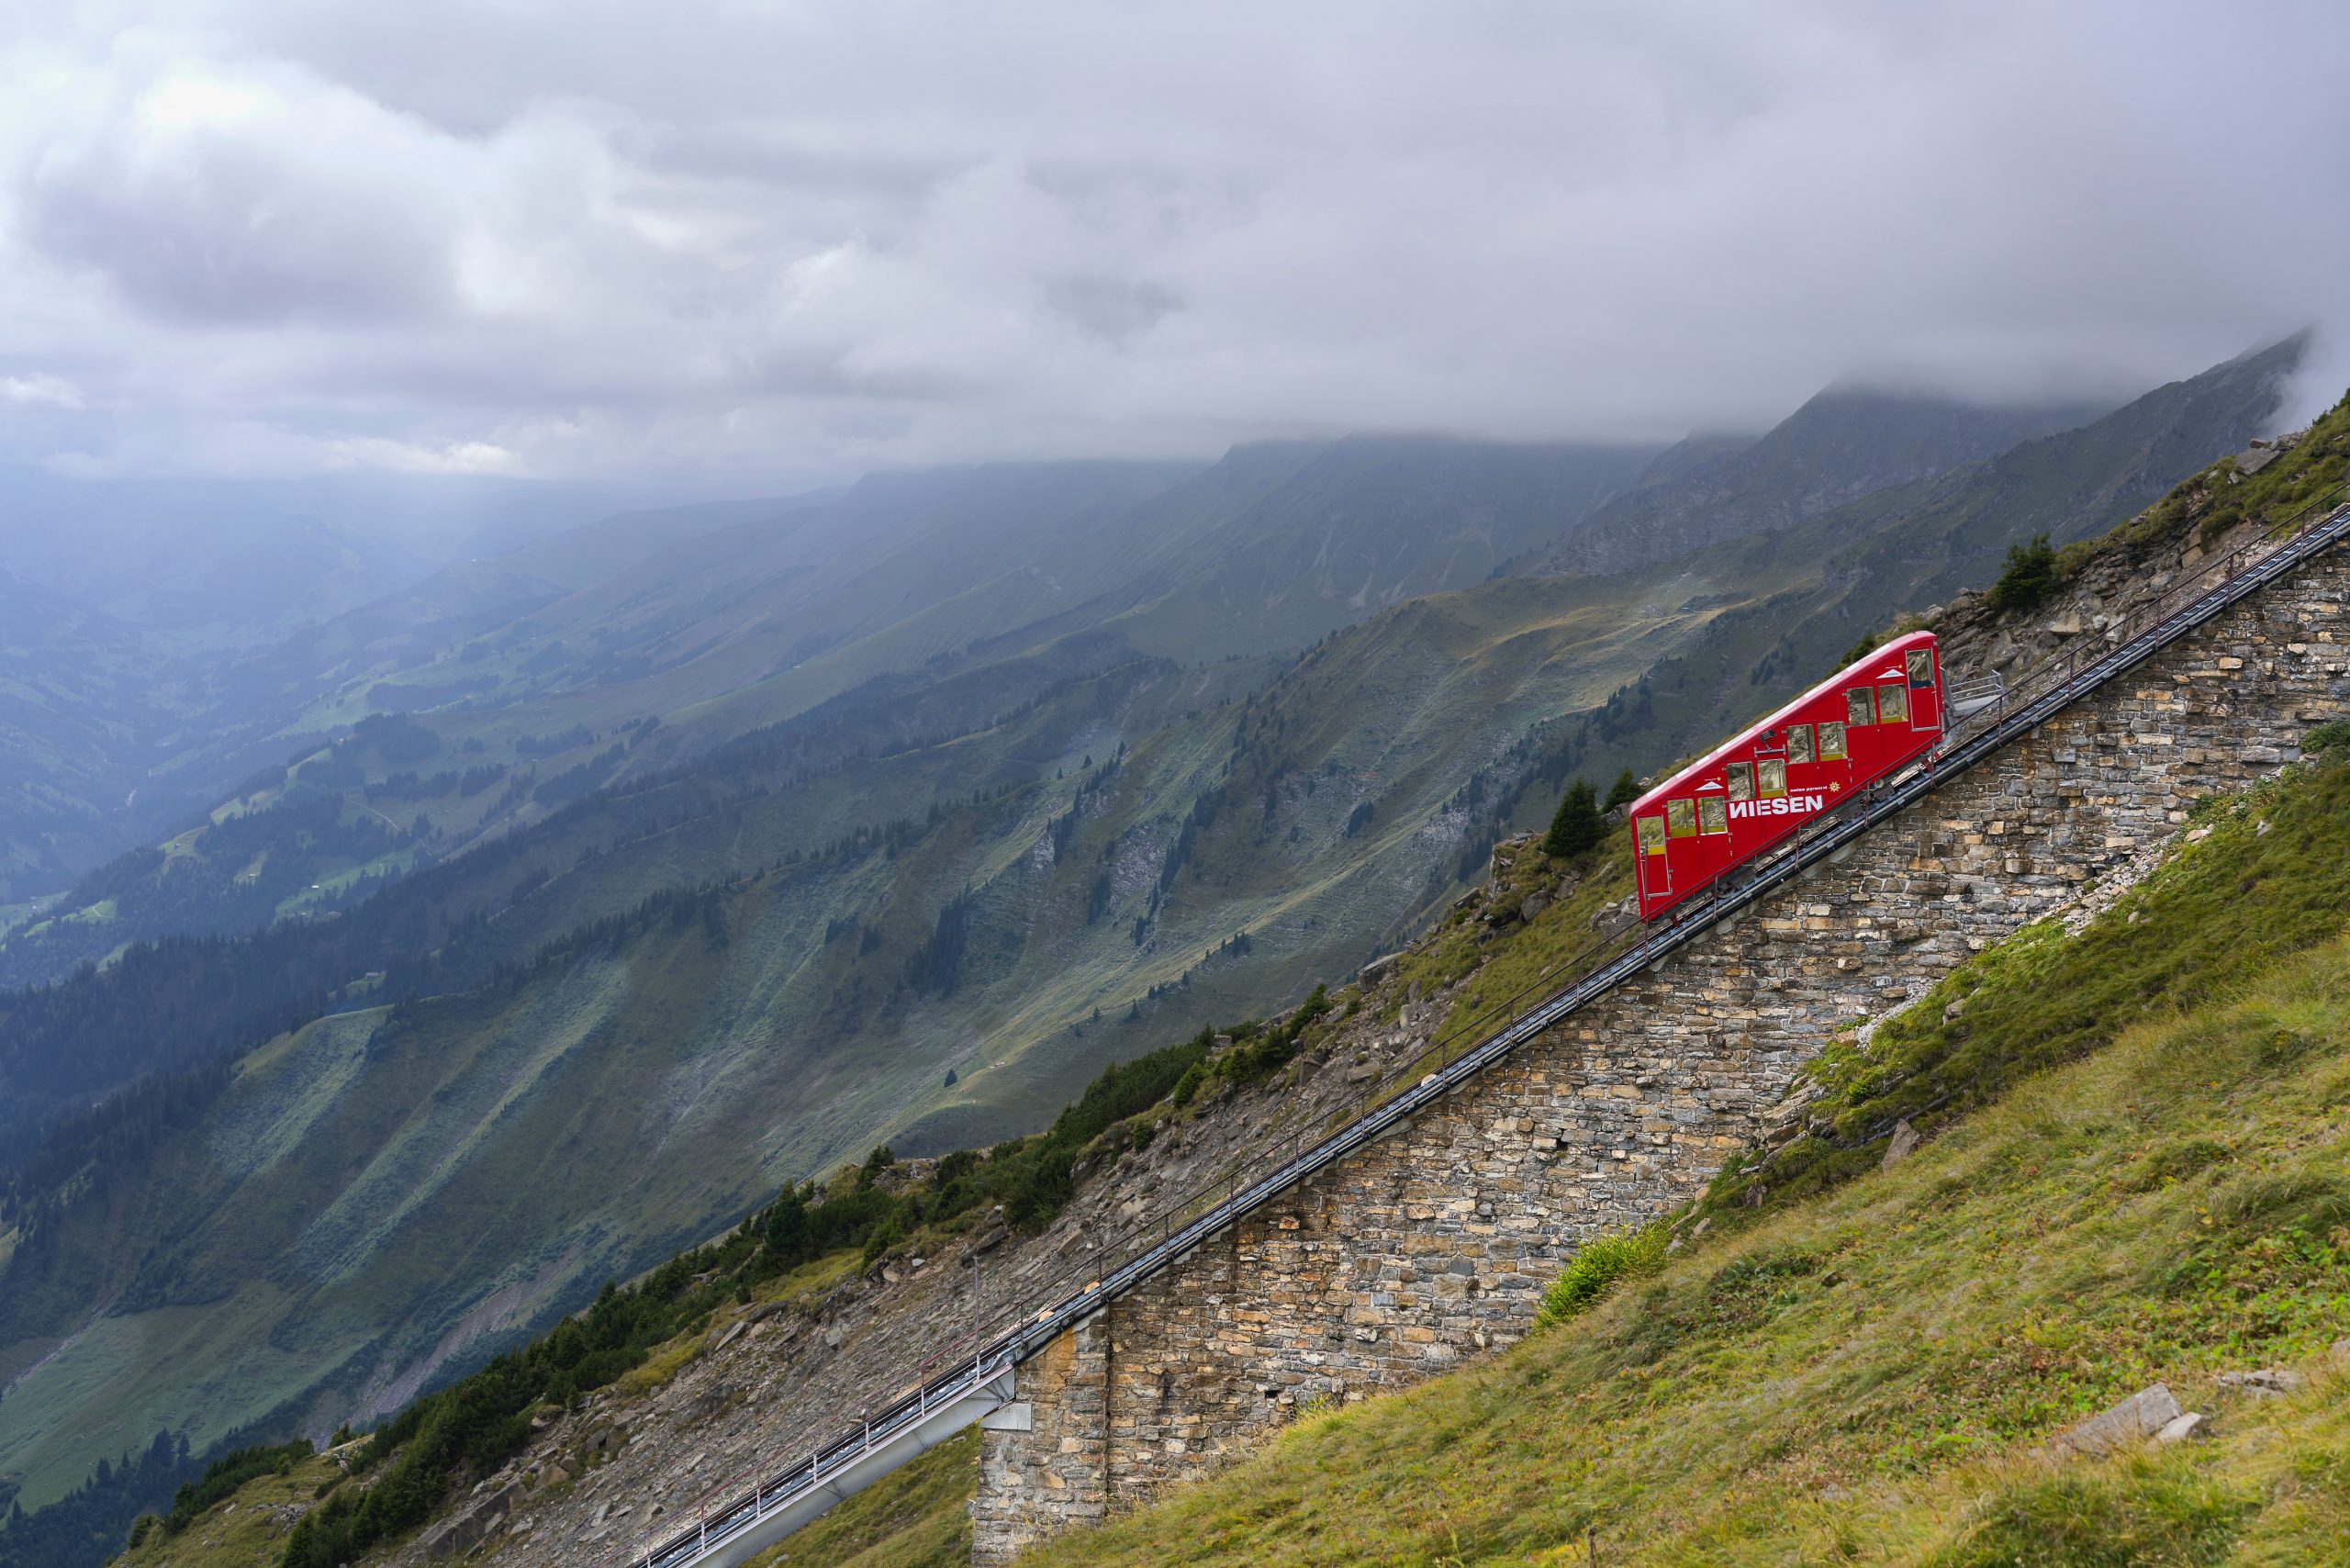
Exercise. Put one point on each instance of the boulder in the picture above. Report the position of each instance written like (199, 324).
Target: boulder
(459, 1534)
(1904, 1144)
(2135, 1420)
(1616, 917)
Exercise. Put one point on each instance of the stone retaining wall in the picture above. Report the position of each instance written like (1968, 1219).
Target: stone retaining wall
(1436, 1243)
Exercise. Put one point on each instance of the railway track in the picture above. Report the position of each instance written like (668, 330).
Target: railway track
(974, 1379)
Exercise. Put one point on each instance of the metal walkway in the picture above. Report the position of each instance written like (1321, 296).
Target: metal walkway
(738, 1523)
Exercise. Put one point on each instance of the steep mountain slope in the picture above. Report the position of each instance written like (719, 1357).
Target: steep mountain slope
(1267, 550)
(1843, 444)
(79, 693)
(1228, 856)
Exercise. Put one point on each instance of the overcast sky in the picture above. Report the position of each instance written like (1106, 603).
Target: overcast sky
(730, 245)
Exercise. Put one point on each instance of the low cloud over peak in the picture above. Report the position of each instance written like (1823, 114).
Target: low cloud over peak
(787, 245)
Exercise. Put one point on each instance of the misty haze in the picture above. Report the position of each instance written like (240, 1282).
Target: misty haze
(945, 759)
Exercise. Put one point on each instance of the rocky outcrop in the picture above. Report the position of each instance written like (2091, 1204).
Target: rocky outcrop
(2138, 1420)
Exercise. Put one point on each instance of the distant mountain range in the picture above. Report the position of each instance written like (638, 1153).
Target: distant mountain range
(1841, 446)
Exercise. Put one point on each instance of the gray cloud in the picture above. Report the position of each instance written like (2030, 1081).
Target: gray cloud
(767, 245)
(1112, 307)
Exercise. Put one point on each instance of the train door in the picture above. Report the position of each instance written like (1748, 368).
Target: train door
(1656, 866)
(1925, 692)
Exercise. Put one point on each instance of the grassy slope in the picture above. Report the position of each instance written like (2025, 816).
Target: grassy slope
(246, 1531)
(1867, 1375)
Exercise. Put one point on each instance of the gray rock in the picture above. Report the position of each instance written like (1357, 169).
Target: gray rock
(1904, 1144)
(2265, 1384)
(456, 1536)
(2181, 1428)
(2137, 1418)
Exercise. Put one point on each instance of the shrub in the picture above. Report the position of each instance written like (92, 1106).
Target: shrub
(1597, 1264)
(2028, 576)
(2327, 738)
(1576, 827)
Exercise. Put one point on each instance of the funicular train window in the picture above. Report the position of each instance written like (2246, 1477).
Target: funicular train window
(1893, 703)
(1681, 818)
(1774, 775)
(1921, 667)
(1798, 743)
(1831, 742)
(1742, 781)
(1713, 815)
(1652, 834)
(1858, 706)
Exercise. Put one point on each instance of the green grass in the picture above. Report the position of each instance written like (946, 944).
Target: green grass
(246, 1530)
(1599, 1265)
(916, 1517)
(1867, 1375)
(1517, 962)
(2270, 876)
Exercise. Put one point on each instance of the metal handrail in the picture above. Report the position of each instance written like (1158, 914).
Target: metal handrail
(2043, 693)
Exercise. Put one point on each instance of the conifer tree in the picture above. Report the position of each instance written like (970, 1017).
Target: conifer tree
(1624, 792)
(1576, 827)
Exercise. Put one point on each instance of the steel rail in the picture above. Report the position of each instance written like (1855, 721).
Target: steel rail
(2046, 692)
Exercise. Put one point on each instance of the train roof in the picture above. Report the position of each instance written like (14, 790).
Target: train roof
(1681, 781)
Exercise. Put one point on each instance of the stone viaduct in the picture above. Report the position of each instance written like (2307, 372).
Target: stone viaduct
(1436, 1242)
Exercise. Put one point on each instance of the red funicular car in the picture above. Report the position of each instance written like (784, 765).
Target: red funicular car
(1865, 722)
